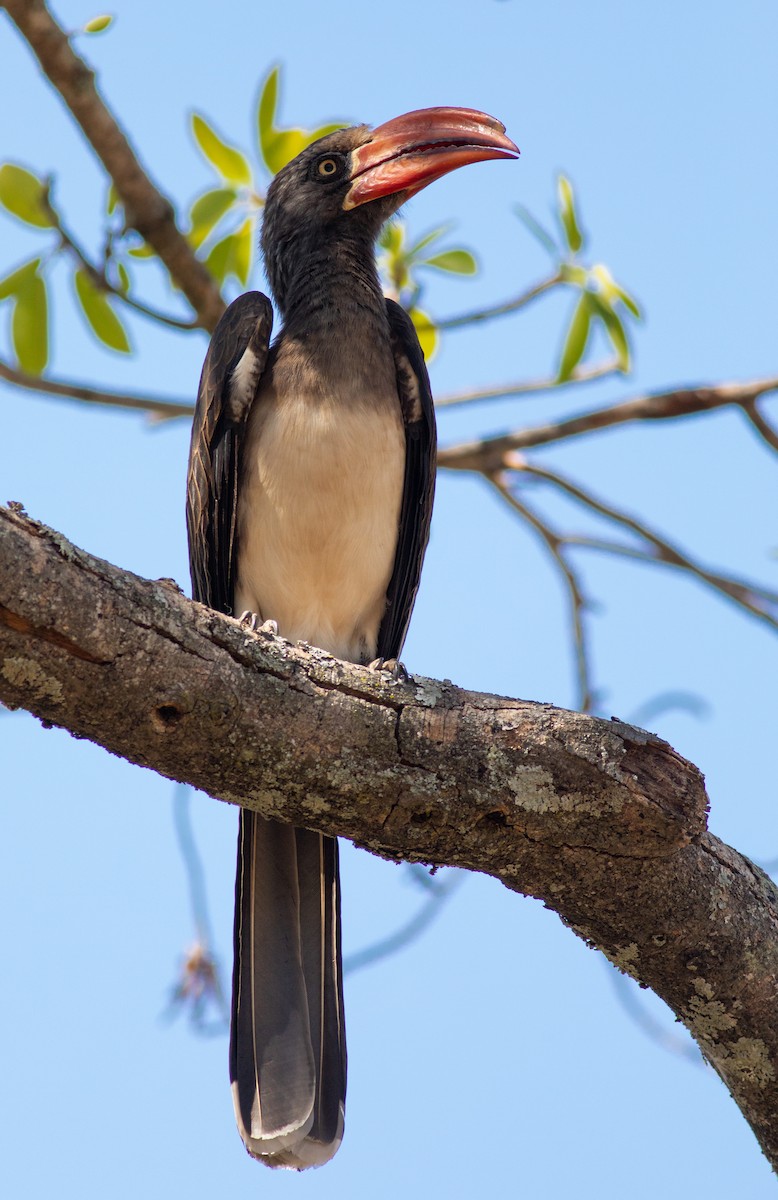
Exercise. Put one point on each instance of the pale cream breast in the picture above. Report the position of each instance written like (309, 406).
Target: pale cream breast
(318, 516)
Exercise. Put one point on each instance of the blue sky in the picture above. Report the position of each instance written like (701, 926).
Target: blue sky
(494, 1053)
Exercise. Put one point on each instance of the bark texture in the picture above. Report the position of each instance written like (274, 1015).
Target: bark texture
(602, 821)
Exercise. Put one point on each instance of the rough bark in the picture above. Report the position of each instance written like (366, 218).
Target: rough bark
(603, 822)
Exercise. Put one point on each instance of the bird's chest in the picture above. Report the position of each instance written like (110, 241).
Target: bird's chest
(319, 512)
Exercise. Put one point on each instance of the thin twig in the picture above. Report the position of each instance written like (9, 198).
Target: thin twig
(757, 600)
(488, 454)
(628, 996)
(162, 410)
(199, 986)
(146, 208)
(499, 310)
(528, 387)
(410, 931)
(762, 426)
(101, 281)
(740, 592)
(555, 544)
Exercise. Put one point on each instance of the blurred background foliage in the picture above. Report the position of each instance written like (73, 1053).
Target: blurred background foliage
(221, 225)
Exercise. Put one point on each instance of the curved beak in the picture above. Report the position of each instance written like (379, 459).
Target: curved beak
(409, 152)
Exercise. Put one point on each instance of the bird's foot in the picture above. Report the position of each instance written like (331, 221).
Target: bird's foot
(392, 667)
(250, 620)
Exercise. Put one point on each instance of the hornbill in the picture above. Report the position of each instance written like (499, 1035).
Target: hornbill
(310, 485)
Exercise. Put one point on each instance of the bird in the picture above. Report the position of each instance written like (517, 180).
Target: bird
(309, 497)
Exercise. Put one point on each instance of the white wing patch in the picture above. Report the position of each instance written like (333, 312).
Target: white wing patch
(243, 384)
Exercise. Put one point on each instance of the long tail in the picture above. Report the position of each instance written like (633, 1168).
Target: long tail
(287, 1040)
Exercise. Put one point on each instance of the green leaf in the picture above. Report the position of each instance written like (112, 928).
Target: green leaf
(457, 262)
(98, 24)
(325, 130)
(18, 278)
(232, 255)
(568, 215)
(614, 329)
(226, 160)
(244, 244)
(266, 110)
(427, 240)
(572, 273)
(282, 146)
(23, 194)
(392, 237)
(278, 146)
(426, 330)
(537, 230)
(144, 251)
(206, 212)
(576, 339)
(102, 319)
(30, 324)
(112, 199)
(612, 290)
(124, 278)
(219, 260)
(630, 301)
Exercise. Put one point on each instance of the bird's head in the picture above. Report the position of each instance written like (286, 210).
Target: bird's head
(350, 182)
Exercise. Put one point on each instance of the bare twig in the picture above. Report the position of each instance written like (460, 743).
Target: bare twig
(555, 545)
(761, 602)
(762, 426)
(742, 592)
(476, 316)
(199, 986)
(100, 279)
(488, 454)
(155, 406)
(528, 387)
(629, 997)
(410, 931)
(145, 207)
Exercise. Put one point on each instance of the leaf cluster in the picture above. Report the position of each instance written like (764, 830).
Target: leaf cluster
(221, 229)
(601, 300)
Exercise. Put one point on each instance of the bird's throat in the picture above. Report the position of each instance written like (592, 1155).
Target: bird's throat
(327, 282)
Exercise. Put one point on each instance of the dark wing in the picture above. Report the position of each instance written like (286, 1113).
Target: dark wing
(413, 386)
(231, 372)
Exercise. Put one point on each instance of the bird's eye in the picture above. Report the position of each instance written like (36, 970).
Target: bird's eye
(328, 167)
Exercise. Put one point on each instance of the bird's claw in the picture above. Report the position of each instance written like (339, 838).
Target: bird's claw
(393, 667)
(250, 620)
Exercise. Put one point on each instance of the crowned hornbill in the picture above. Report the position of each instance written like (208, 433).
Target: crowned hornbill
(311, 477)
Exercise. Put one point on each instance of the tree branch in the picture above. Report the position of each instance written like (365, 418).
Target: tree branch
(603, 822)
(529, 387)
(476, 316)
(488, 454)
(754, 598)
(99, 277)
(146, 209)
(555, 544)
(154, 405)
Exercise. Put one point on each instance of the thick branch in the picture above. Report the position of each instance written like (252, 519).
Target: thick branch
(145, 207)
(602, 821)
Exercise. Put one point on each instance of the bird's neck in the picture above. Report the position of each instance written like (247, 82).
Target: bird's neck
(329, 282)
